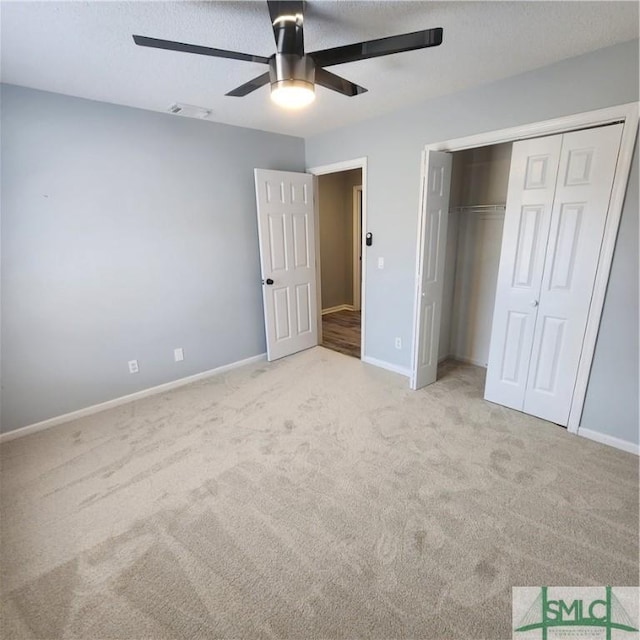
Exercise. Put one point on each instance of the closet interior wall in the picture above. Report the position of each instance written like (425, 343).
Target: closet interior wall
(478, 194)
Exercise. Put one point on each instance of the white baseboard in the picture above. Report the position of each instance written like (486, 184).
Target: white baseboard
(403, 371)
(116, 402)
(612, 441)
(466, 360)
(340, 307)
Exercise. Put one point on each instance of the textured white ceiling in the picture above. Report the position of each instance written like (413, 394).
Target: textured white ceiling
(85, 49)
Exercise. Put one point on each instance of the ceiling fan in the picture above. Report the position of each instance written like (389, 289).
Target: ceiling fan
(294, 73)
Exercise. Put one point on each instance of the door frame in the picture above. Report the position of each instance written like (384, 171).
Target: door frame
(357, 246)
(338, 167)
(628, 114)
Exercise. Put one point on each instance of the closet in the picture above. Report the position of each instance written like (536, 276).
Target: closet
(526, 222)
(478, 194)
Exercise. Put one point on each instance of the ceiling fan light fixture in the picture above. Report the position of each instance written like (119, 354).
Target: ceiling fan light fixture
(293, 94)
(292, 80)
(293, 73)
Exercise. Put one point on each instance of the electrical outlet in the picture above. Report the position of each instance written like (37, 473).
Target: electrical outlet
(178, 354)
(398, 343)
(380, 263)
(133, 366)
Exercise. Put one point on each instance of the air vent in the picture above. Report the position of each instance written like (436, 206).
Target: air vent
(189, 111)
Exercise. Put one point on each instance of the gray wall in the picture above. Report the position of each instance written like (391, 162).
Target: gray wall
(393, 143)
(125, 234)
(611, 405)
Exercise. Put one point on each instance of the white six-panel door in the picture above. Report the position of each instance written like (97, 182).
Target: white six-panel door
(287, 260)
(431, 275)
(585, 179)
(532, 183)
(557, 203)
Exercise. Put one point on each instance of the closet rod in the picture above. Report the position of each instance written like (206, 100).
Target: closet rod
(481, 208)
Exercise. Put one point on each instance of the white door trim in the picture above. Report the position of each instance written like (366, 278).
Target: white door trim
(357, 247)
(626, 113)
(336, 167)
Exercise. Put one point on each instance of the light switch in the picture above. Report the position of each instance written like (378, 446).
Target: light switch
(380, 263)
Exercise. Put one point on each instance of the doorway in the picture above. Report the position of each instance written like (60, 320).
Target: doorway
(340, 205)
(478, 196)
(339, 222)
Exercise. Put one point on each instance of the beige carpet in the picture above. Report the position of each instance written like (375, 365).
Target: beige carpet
(316, 497)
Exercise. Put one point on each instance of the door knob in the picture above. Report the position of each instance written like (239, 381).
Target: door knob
(534, 303)
(269, 281)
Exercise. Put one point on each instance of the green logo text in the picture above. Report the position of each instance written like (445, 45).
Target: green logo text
(606, 613)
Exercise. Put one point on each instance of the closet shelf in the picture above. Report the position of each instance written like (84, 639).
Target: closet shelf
(484, 208)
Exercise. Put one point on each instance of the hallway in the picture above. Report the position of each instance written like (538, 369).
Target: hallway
(341, 332)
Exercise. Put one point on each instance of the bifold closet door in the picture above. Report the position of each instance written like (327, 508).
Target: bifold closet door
(532, 182)
(585, 179)
(557, 204)
(431, 276)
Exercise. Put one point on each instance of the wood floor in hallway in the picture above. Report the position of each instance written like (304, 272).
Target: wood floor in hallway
(341, 332)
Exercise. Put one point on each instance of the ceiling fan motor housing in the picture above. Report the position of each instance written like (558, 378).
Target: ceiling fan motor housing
(291, 70)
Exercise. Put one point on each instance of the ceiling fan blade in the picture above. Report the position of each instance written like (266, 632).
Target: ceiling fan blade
(250, 86)
(290, 40)
(331, 81)
(380, 47)
(143, 41)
